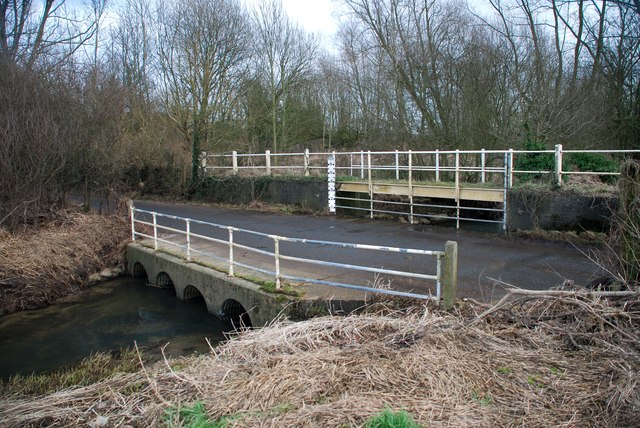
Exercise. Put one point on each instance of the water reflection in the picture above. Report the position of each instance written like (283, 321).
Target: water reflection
(108, 316)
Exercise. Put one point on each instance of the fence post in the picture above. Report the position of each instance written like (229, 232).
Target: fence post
(133, 221)
(397, 165)
(350, 164)
(361, 165)
(437, 165)
(155, 232)
(370, 184)
(450, 274)
(410, 182)
(267, 157)
(306, 162)
(276, 253)
(558, 165)
(457, 183)
(234, 159)
(331, 181)
(188, 239)
(231, 273)
(510, 168)
(483, 163)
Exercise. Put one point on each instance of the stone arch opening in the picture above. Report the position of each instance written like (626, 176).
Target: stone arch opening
(165, 281)
(235, 314)
(139, 272)
(192, 294)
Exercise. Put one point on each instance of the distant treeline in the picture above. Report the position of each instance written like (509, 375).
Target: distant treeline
(113, 96)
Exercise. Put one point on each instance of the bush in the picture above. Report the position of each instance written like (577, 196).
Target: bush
(534, 161)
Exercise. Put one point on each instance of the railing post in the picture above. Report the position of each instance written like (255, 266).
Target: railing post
(306, 162)
(234, 160)
(231, 273)
(483, 164)
(133, 223)
(410, 183)
(397, 166)
(457, 183)
(361, 165)
(267, 158)
(276, 253)
(188, 228)
(331, 182)
(155, 232)
(370, 184)
(510, 168)
(558, 165)
(450, 274)
(350, 164)
(437, 165)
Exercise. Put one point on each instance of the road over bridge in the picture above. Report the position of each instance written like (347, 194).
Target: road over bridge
(485, 259)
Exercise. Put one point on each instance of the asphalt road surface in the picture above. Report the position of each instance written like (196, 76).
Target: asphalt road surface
(486, 261)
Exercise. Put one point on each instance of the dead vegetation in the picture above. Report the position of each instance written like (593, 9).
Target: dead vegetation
(42, 265)
(567, 358)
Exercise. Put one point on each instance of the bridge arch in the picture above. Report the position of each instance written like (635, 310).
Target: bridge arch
(235, 314)
(164, 281)
(139, 272)
(193, 294)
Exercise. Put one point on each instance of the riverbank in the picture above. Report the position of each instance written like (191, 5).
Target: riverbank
(569, 359)
(44, 264)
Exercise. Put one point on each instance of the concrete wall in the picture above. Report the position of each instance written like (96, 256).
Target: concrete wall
(216, 287)
(558, 210)
(307, 193)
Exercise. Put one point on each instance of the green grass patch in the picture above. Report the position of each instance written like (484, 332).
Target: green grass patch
(91, 370)
(191, 417)
(390, 419)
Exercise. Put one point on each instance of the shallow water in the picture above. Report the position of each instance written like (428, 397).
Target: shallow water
(106, 317)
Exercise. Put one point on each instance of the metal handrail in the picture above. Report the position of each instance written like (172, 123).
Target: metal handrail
(189, 250)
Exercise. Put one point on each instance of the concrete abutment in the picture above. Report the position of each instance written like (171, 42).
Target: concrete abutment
(240, 302)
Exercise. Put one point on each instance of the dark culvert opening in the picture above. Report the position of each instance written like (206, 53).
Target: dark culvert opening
(235, 314)
(193, 295)
(139, 272)
(165, 281)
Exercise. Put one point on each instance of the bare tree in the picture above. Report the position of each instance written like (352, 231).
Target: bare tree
(48, 34)
(202, 46)
(284, 56)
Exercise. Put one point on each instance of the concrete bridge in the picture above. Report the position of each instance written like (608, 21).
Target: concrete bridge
(486, 262)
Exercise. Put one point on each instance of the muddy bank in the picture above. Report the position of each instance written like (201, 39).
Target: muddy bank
(42, 265)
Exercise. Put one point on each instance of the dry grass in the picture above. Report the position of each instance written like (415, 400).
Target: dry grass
(40, 266)
(570, 360)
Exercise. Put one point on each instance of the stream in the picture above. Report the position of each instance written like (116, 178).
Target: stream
(105, 317)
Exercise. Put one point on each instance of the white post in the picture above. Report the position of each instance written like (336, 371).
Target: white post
(457, 189)
(231, 273)
(370, 184)
(437, 165)
(510, 167)
(558, 164)
(331, 181)
(350, 164)
(133, 222)
(234, 158)
(188, 239)
(155, 232)
(361, 165)
(410, 180)
(306, 162)
(276, 253)
(203, 160)
(483, 163)
(267, 156)
(397, 166)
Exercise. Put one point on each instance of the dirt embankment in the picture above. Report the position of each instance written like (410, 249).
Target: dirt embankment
(569, 359)
(39, 266)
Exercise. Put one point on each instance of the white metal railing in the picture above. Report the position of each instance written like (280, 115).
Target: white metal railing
(436, 165)
(446, 261)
